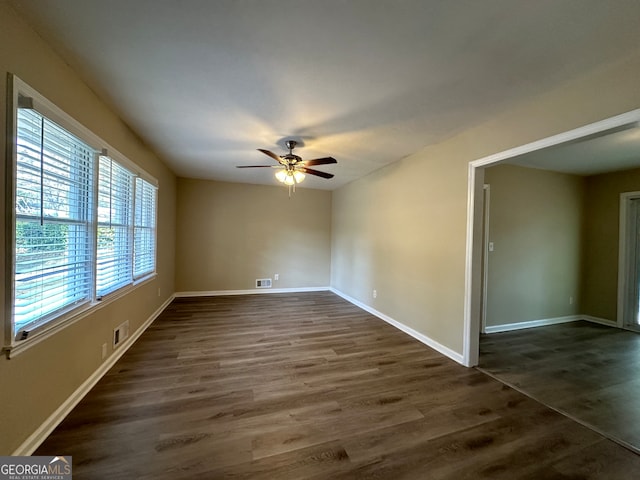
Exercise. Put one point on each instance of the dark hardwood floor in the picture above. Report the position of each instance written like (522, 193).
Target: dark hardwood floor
(308, 386)
(585, 370)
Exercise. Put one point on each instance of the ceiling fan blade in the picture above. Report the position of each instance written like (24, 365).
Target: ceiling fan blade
(257, 166)
(314, 172)
(319, 161)
(271, 154)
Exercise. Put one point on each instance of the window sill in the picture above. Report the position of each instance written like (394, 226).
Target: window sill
(53, 327)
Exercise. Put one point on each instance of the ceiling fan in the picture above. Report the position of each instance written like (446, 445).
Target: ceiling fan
(291, 168)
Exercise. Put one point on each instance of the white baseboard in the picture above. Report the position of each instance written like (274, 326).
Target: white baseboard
(217, 293)
(508, 327)
(401, 326)
(40, 435)
(601, 321)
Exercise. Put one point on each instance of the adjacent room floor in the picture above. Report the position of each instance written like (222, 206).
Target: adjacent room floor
(585, 370)
(308, 386)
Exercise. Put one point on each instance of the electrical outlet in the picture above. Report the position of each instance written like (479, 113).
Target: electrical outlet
(158, 291)
(104, 351)
(570, 300)
(375, 294)
(276, 276)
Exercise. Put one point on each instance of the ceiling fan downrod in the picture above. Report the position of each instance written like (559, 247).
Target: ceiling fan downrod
(291, 144)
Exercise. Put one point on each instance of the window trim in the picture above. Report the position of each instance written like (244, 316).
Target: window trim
(17, 88)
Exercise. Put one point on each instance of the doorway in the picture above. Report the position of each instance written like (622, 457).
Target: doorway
(475, 235)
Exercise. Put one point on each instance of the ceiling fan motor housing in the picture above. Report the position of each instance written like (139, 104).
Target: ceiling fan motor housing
(291, 158)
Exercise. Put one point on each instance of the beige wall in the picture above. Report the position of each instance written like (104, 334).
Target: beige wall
(600, 281)
(36, 382)
(402, 229)
(230, 234)
(536, 227)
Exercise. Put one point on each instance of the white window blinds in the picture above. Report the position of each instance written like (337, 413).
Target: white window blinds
(115, 227)
(84, 224)
(53, 248)
(145, 229)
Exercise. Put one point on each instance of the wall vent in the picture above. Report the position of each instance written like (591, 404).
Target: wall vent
(263, 283)
(120, 333)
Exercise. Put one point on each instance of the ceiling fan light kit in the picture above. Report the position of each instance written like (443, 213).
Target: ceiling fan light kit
(289, 177)
(292, 169)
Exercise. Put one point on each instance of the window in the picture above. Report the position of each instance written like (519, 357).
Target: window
(84, 222)
(144, 229)
(115, 219)
(126, 227)
(52, 220)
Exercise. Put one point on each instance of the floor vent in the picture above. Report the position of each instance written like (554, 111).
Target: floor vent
(263, 283)
(120, 333)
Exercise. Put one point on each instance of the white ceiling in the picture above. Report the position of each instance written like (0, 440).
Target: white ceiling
(207, 82)
(611, 151)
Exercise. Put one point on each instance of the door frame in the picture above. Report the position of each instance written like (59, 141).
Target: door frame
(473, 255)
(485, 254)
(624, 270)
